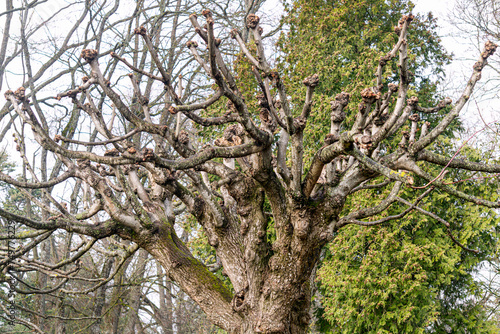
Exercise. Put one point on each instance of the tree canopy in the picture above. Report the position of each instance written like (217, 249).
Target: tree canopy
(142, 141)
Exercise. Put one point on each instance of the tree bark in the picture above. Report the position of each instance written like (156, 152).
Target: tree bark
(275, 299)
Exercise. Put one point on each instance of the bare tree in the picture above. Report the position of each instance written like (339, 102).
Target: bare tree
(477, 21)
(483, 15)
(137, 166)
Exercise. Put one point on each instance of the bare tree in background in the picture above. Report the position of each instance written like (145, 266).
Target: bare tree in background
(479, 20)
(121, 163)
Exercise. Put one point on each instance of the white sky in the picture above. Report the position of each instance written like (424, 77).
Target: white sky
(465, 54)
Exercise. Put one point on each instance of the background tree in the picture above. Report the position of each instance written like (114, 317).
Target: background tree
(477, 21)
(135, 150)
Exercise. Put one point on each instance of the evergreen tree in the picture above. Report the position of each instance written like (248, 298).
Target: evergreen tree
(408, 277)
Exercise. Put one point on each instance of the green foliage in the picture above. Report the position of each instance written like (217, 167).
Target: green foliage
(343, 41)
(406, 276)
(410, 276)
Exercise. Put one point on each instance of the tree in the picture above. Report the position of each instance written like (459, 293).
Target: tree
(89, 303)
(267, 218)
(376, 279)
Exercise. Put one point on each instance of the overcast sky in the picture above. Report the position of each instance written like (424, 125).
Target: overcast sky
(465, 54)
(441, 10)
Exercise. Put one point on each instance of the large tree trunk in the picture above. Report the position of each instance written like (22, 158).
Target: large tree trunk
(285, 298)
(274, 300)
